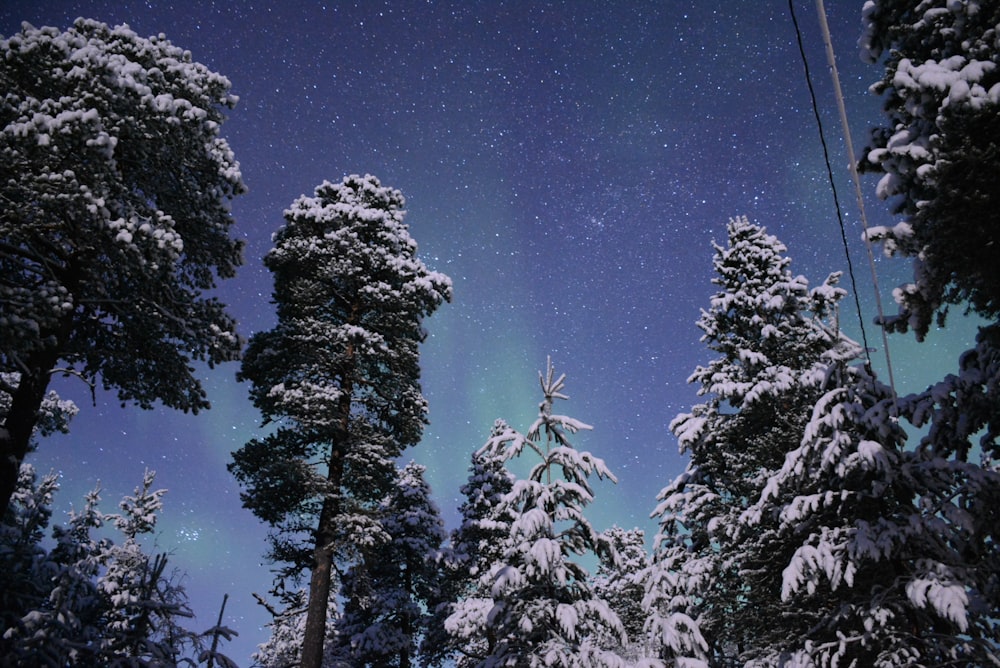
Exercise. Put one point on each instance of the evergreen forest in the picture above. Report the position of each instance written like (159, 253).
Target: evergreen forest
(822, 520)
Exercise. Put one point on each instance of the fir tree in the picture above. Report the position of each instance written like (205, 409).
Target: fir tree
(338, 377)
(543, 610)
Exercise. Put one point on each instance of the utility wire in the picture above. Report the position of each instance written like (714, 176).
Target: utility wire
(853, 164)
(829, 174)
(833, 187)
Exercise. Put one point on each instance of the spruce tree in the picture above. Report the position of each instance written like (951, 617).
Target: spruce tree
(619, 582)
(24, 526)
(893, 542)
(542, 609)
(713, 591)
(883, 538)
(474, 547)
(938, 151)
(338, 380)
(387, 595)
(89, 601)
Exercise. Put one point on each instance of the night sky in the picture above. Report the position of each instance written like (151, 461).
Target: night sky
(567, 164)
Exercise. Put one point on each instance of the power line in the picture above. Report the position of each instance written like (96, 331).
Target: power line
(854, 173)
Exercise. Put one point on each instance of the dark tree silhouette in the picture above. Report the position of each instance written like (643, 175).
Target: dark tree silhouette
(115, 188)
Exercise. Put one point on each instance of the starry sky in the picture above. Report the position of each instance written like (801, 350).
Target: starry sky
(566, 163)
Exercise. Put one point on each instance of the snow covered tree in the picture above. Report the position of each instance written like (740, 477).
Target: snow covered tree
(885, 536)
(54, 412)
(283, 647)
(21, 532)
(89, 601)
(940, 156)
(141, 621)
(475, 546)
(387, 595)
(338, 377)
(852, 548)
(116, 186)
(619, 582)
(939, 151)
(543, 610)
(713, 591)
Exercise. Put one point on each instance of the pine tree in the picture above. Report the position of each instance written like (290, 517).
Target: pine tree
(713, 592)
(543, 609)
(54, 412)
(116, 186)
(338, 377)
(475, 546)
(387, 594)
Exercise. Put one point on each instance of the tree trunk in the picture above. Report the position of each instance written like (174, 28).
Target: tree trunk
(20, 421)
(406, 625)
(322, 570)
(26, 401)
(319, 581)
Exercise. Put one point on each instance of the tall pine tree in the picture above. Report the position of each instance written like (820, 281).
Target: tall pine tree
(115, 183)
(338, 377)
